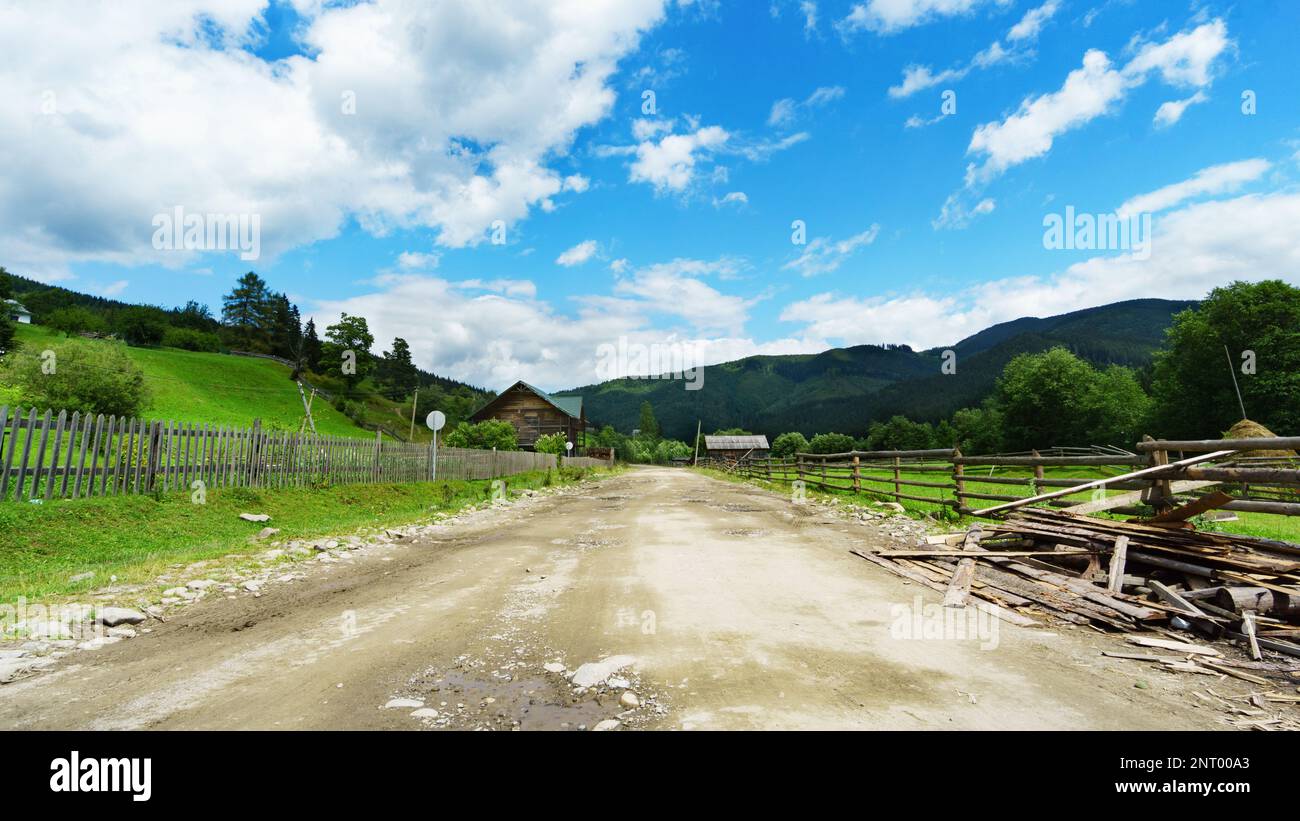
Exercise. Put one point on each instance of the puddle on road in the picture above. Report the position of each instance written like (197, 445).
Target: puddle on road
(523, 703)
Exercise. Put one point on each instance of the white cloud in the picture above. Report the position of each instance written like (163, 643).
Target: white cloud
(1185, 59)
(1195, 249)
(669, 165)
(918, 78)
(823, 255)
(1020, 36)
(578, 254)
(960, 209)
(786, 110)
(1217, 179)
(415, 260)
(1089, 92)
(576, 183)
(459, 106)
(1032, 23)
(1172, 111)
(890, 16)
(738, 198)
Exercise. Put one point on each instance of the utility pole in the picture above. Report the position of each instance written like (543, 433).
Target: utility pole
(415, 403)
(1232, 369)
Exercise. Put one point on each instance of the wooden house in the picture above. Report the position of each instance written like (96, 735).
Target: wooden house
(732, 448)
(535, 413)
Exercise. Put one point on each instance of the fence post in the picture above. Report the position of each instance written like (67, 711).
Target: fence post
(1038, 468)
(857, 476)
(155, 440)
(958, 480)
(1159, 493)
(898, 487)
(798, 466)
(379, 448)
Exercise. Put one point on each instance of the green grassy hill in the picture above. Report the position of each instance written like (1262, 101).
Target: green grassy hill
(213, 388)
(846, 389)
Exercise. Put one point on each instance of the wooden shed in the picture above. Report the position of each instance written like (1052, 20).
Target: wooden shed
(535, 413)
(732, 448)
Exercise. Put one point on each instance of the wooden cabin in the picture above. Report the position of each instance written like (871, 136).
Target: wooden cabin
(732, 448)
(535, 413)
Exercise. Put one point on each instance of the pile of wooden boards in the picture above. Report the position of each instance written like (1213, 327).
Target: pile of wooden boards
(1116, 575)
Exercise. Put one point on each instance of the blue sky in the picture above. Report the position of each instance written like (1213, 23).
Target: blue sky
(671, 227)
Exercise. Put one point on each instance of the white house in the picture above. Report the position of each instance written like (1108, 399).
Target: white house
(17, 312)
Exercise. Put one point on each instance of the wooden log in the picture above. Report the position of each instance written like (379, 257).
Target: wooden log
(1248, 627)
(1209, 501)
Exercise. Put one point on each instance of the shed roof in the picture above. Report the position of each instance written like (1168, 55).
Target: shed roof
(736, 442)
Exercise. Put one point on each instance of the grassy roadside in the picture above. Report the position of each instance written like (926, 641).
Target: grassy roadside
(136, 537)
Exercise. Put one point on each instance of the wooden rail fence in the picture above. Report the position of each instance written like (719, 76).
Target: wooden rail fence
(56, 456)
(947, 478)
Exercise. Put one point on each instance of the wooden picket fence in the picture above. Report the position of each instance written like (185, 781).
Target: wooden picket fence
(60, 455)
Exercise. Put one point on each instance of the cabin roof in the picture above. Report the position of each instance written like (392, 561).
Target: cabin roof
(568, 405)
(736, 442)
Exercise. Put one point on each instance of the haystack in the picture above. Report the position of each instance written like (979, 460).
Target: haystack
(1246, 429)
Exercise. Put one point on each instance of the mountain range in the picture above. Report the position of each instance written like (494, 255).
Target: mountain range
(846, 389)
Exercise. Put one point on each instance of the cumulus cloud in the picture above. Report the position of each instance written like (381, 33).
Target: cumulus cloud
(669, 165)
(441, 115)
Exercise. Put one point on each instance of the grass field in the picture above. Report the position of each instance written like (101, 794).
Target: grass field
(137, 537)
(1263, 525)
(214, 388)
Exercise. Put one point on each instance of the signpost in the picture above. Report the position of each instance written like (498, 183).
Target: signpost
(436, 420)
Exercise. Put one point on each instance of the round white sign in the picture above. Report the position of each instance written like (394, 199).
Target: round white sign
(435, 420)
(568, 446)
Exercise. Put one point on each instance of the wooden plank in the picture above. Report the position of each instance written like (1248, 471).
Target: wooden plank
(959, 586)
(74, 426)
(108, 456)
(1173, 646)
(93, 440)
(7, 465)
(39, 467)
(1173, 598)
(1115, 578)
(1248, 627)
(1003, 613)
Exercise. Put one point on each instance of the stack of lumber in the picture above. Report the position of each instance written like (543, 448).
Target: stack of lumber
(1116, 575)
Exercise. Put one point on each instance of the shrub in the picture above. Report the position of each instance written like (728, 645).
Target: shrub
(91, 377)
(831, 443)
(191, 340)
(788, 444)
(140, 325)
(73, 320)
(485, 435)
(551, 443)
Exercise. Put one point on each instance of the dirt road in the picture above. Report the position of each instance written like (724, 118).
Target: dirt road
(734, 608)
